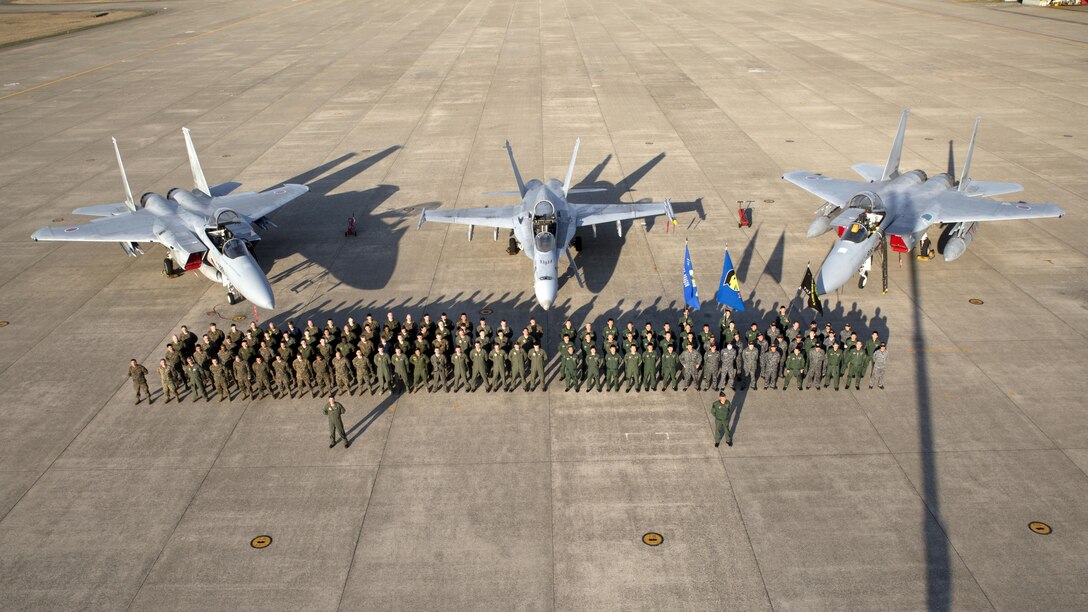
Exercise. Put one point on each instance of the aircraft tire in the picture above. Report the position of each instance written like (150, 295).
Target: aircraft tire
(577, 243)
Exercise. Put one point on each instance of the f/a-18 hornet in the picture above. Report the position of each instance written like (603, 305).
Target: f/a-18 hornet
(543, 225)
(206, 228)
(898, 209)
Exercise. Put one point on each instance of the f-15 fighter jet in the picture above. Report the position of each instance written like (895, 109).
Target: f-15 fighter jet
(898, 209)
(204, 229)
(543, 224)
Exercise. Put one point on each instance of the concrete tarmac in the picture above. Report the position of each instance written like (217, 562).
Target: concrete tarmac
(915, 497)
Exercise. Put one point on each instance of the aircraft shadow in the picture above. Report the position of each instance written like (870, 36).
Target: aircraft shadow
(315, 225)
(599, 256)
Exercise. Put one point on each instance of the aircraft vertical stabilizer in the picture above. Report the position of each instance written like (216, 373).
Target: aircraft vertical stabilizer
(964, 180)
(194, 164)
(514, 165)
(891, 169)
(570, 168)
(124, 178)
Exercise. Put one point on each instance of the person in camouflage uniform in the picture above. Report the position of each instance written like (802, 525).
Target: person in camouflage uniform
(138, 374)
(880, 365)
(166, 377)
(341, 368)
(362, 365)
(281, 371)
(322, 376)
(712, 364)
(770, 368)
(749, 361)
(304, 376)
(817, 364)
(262, 378)
(691, 362)
(728, 375)
(219, 379)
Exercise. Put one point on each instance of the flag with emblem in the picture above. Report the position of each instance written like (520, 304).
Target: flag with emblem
(729, 287)
(808, 287)
(691, 292)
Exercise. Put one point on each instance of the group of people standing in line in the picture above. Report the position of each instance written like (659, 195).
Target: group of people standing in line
(445, 355)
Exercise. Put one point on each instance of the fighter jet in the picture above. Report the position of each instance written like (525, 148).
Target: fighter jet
(203, 229)
(899, 208)
(543, 225)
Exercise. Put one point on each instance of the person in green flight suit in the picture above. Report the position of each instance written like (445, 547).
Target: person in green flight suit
(669, 375)
(722, 410)
(334, 409)
(612, 362)
(593, 370)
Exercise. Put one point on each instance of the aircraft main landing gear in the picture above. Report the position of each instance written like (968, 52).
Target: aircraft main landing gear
(168, 269)
(512, 247)
(925, 249)
(233, 298)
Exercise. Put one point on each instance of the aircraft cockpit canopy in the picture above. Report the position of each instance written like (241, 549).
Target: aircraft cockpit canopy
(234, 248)
(544, 242)
(867, 201)
(855, 233)
(544, 219)
(226, 216)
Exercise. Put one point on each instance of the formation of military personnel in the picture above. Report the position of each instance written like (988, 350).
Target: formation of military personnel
(394, 355)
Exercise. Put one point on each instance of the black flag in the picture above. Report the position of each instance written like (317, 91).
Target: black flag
(808, 286)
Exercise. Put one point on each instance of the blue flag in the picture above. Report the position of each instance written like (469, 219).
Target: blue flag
(729, 288)
(691, 292)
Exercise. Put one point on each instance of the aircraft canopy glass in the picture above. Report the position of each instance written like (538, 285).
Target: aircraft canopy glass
(544, 242)
(234, 248)
(866, 200)
(226, 216)
(855, 233)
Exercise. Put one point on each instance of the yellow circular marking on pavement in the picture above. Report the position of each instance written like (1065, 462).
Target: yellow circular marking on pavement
(239, 318)
(975, 301)
(486, 311)
(653, 539)
(261, 541)
(1040, 528)
(4, 323)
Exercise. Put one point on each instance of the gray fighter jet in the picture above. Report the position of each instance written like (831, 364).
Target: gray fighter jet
(898, 209)
(206, 229)
(543, 225)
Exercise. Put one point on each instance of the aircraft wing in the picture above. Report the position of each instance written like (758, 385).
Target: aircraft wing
(592, 214)
(257, 205)
(836, 191)
(500, 216)
(136, 226)
(955, 207)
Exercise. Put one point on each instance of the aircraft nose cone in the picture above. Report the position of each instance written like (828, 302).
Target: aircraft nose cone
(545, 304)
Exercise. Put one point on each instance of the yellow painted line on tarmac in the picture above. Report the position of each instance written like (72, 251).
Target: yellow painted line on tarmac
(156, 49)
